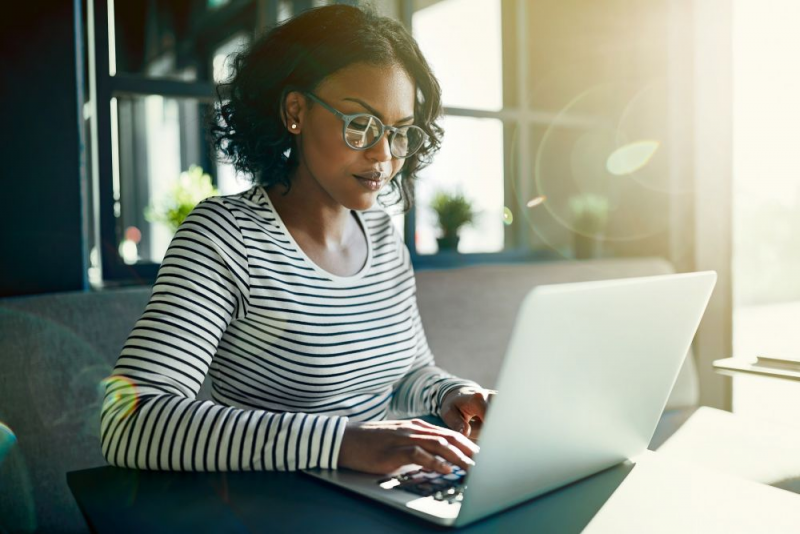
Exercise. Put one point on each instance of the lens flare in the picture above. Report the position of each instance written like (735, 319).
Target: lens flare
(532, 203)
(120, 391)
(629, 158)
(7, 441)
(508, 217)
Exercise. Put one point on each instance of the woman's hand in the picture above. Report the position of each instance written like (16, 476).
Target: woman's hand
(464, 409)
(381, 447)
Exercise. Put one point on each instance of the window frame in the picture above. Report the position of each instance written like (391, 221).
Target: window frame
(517, 117)
(215, 27)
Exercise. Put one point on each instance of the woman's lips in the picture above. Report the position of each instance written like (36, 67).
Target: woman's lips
(371, 180)
(373, 184)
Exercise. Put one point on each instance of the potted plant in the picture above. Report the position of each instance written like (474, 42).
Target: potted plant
(453, 211)
(171, 209)
(589, 221)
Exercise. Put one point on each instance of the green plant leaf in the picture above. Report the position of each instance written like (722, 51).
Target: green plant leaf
(453, 210)
(192, 187)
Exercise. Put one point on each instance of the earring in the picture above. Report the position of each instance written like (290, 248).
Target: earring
(294, 126)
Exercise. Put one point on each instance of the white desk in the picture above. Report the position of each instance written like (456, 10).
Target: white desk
(664, 494)
(747, 447)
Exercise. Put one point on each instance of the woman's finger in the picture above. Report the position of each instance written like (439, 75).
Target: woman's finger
(422, 422)
(475, 428)
(454, 418)
(459, 440)
(417, 455)
(439, 446)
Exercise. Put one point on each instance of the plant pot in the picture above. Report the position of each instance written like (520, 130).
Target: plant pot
(448, 243)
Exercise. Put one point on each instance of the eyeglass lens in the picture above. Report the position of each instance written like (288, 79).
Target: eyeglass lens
(363, 132)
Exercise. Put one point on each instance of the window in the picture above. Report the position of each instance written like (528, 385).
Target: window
(480, 178)
(154, 139)
(766, 202)
(531, 122)
(471, 160)
(153, 68)
(154, 65)
(557, 115)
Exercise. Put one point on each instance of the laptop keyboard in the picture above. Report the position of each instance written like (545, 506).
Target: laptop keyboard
(425, 483)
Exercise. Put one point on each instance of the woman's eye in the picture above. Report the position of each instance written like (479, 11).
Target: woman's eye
(362, 123)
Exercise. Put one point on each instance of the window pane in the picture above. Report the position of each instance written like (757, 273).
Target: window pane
(228, 182)
(469, 68)
(766, 200)
(479, 178)
(154, 39)
(157, 139)
(222, 62)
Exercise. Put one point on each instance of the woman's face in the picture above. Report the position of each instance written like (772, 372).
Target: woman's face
(346, 176)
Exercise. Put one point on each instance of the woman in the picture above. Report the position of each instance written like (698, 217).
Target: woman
(297, 296)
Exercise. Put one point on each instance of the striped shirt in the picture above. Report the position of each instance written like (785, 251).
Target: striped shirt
(293, 352)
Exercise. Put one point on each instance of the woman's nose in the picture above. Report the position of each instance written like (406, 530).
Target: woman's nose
(381, 151)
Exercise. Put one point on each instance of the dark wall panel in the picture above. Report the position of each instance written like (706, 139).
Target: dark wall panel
(41, 236)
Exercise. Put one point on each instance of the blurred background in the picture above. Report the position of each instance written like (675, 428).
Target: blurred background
(575, 129)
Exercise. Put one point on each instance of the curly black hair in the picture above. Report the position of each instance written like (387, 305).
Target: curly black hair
(247, 126)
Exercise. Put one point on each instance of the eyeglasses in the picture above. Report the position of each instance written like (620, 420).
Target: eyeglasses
(362, 131)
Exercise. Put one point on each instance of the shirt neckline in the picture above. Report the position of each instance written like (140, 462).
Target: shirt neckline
(358, 276)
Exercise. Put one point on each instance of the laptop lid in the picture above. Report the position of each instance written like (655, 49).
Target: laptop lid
(586, 376)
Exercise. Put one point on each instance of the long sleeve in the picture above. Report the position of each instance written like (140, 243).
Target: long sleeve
(150, 417)
(422, 389)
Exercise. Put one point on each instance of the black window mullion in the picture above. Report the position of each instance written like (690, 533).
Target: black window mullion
(103, 174)
(266, 15)
(298, 6)
(131, 84)
(406, 10)
(407, 13)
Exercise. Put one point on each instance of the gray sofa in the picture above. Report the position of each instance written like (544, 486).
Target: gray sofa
(56, 349)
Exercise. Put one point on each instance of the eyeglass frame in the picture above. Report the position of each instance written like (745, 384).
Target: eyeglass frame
(348, 118)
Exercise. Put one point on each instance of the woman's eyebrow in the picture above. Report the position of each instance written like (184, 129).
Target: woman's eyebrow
(375, 112)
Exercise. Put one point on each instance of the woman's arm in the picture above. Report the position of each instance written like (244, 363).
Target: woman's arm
(383, 446)
(150, 418)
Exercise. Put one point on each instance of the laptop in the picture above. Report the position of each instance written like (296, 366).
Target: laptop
(587, 372)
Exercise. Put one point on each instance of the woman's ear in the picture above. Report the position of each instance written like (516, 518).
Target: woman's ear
(294, 107)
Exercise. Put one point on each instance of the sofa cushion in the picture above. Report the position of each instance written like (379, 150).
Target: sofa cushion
(56, 350)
